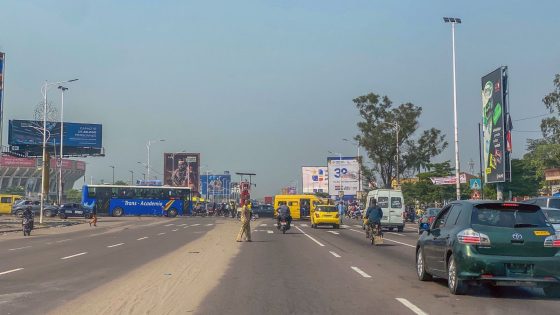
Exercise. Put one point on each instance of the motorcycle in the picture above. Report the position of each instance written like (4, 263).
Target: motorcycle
(27, 224)
(284, 225)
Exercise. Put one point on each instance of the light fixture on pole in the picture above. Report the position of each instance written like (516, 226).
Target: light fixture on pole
(113, 167)
(44, 90)
(454, 21)
(148, 145)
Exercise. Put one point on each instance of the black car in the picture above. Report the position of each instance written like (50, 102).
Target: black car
(493, 243)
(264, 210)
(74, 210)
(20, 206)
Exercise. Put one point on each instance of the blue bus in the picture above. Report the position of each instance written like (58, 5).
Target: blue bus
(116, 200)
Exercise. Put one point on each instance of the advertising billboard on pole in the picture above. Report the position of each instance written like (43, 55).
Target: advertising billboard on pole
(182, 170)
(215, 185)
(343, 176)
(315, 179)
(496, 127)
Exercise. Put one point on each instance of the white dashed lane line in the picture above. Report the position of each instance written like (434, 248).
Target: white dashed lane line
(333, 232)
(263, 224)
(170, 224)
(311, 237)
(269, 231)
(115, 245)
(62, 241)
(142, 238)
(386, 239)
(161, 233)
(182, 224)
(304, 225)
(10, 271)
(174, 230)
(335, 254)
(361, 272)
(411, 306)
(19, 248)
(72, 256)
(396, 233)
(209, 224)
(196, 224)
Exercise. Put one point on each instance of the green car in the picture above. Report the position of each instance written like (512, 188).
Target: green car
(500, 244)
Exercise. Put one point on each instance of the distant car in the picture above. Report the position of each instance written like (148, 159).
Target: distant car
(499, 244)
(553, 216)
(427, 218)
(325, 215)
(545, 202)
(19, 207)
(264, 210)
(74, 210)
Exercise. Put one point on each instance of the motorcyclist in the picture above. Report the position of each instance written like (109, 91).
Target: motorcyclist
(27, 218)
(284, 212)
(374, 214)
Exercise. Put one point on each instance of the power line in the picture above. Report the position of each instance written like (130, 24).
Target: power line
(533, 117)
(527, 131)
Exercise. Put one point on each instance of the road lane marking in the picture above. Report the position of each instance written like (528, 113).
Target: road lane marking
(142, 238)
(174, 230)
(209, 224)
(411, 306)
(335, 254)
(197, 224)
(161, 233)
(386, 239)
(396, 233)
(19, 248)
(182, 224)
(333, 232)
(311, 237)
(269, 232)
(358, 270)
(357, 225)
(345, 226)
(61, 241)
(115, 245)
(304, 225)
(170, 224)
(72, 256)
(10, 271)
(263, 224)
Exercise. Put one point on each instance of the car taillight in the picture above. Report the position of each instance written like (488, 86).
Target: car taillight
(431, 220)
(469, 236)
(552, 241)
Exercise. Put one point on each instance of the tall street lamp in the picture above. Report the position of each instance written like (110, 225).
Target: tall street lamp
(132, 177)
(61, 186)
(113, 167)
(454, 21)
(148, 145)
(357, 144)
(44, 90)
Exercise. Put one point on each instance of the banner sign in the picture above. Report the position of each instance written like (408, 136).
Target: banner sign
(449, 180)
(11, 161)
(315, 179)
(215, 185)
(496, 127)
(343, 175)
(182, 170)
(78, 135)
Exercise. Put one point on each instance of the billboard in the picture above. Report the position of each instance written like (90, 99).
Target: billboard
(25, 137)
(215, 185)
(182, 170)
(315, 179)
(449, 180)
(496, 127)
(343, 175)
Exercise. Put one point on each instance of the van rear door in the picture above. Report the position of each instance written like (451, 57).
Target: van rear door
(396, 211)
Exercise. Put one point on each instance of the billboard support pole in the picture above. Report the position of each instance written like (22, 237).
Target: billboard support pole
(480, 160)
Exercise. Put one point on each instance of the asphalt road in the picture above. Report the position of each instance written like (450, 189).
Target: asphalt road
(38, 273)
(326, 271)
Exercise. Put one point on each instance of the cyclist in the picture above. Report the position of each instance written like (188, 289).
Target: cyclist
(374, 214)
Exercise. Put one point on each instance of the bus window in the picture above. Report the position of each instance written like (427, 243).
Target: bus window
(91, 192)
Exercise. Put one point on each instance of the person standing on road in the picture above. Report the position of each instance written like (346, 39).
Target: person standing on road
(341, 213)
(245, 223)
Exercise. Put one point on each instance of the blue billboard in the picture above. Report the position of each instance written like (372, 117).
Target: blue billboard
(215, 185)
(26, 137)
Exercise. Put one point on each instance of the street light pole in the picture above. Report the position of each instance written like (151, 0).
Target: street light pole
(113, 167)
(60, 187)
(148, 145)
(454, 21)
(44, 169)
(132, 178)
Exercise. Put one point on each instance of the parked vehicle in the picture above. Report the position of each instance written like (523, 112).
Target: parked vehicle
(553, 216)
(74, 210)
(49, 210)
(264, 211)
(427, 219)
(545, 202)
(499, 244)
(325, 215)
(7, 201)
(392, 203)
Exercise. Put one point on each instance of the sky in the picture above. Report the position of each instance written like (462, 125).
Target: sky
(267, 86)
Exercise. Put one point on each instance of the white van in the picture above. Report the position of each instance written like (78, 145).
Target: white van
(392, 203)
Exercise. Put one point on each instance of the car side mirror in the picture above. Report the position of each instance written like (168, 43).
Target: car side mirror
(424, 227)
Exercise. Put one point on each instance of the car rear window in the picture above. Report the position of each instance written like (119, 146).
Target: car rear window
(554, 203)
(326, 209)
(553, 216)
(383, 202)
(508, 215)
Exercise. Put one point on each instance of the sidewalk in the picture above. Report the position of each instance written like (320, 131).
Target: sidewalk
(10, 223)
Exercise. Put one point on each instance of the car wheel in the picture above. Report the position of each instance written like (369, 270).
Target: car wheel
(400, 228)
(456, 285)
(62, 216)
(172, 213)
(48, 213)
(391, 229)
(118, 212)
(336, 226)
(552, 291)
(19, 214)
(421, 267)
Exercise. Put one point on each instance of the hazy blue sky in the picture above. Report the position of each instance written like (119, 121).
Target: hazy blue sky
(267, 86)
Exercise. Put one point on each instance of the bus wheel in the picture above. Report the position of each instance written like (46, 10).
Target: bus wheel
(172, 213)
(118, 212)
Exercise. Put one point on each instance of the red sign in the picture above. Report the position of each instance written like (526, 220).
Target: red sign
(80, 165)
(475, 195)
(11, 161)
(66, 164)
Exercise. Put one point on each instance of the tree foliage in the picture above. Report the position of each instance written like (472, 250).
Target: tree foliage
(74, 195)
(524, 182)
(14, 190)
(550, 126)
(121, 183)
(379, 137)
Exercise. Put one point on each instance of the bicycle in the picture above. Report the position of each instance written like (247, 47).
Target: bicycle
(377, 237)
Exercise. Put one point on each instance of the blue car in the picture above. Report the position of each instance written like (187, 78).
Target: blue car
(74, 210)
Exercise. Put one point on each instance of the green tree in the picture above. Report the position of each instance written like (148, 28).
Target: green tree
(120, 182)
(379, 137)
(74, 195)
(550, 126)
(524, 180)
(14, 190)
